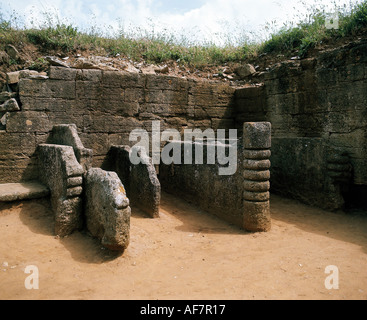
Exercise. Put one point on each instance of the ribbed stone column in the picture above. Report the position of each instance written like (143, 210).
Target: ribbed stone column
(256, 196)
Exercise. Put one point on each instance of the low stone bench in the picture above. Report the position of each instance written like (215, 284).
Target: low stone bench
(22, 191)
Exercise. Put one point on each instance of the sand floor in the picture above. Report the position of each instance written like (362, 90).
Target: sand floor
(187, 254)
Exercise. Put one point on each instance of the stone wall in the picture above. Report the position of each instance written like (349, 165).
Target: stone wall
(201, 184)
(318, 111)
(105, 106)
(316, 106)
(241, 198)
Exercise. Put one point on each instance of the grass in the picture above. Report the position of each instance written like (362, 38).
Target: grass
(162, 47)
(313, 30)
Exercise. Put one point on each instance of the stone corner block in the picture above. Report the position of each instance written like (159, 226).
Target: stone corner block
(257, 135)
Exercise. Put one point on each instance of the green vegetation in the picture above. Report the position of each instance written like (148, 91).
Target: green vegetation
(39, 64)
(312, 30)
(159, 48)
(61, 37)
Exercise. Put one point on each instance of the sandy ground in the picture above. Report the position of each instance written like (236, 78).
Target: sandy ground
(187, 254)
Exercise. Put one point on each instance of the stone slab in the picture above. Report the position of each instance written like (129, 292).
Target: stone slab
(22, 191)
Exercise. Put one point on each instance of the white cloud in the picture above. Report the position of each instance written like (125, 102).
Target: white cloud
(216, 20)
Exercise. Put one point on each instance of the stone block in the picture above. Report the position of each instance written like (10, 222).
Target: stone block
(245, 70)
(143, 186)
(201, 99)
(176, 123)
(28, 121)
(257, 135)
(156, 82)
(208, 95)
(111, 93)
(18, 169)
(12, 77)
(98, 142)
(32, 74)
(58, 166)
(47, 88)
(22, 191)
(134, 95)
(89, 75)
(256, 216)
(71, 117)
(88, 90)
(166, 97)
(107, 209)
(213, 112)
(253, 175)
(123, 79)
(119, 107)
(47, 104)
(61, 73)
(12, 143)
(249, 92)
(167, 110)
(67, 134)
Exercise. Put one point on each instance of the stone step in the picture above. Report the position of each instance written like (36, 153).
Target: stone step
(22, 191)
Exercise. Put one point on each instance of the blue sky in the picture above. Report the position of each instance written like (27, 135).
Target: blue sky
(218, 21)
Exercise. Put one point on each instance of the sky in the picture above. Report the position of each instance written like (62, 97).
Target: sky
(218, 21)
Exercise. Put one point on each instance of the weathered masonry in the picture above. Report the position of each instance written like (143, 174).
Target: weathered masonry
(241, 198)
(105, 106)
(317, 109)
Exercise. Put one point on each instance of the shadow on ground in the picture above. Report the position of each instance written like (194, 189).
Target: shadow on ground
(37, 216)
(352, 228)
(194, 219)
(348, 227)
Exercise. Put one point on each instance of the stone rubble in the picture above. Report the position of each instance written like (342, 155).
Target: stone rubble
(53, 61)
(9, 105)
(245, 70)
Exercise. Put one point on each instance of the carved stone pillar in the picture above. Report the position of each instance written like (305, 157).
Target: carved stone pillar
(256, 195)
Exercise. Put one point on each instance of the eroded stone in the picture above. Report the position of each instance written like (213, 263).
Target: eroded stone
(107, 209)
